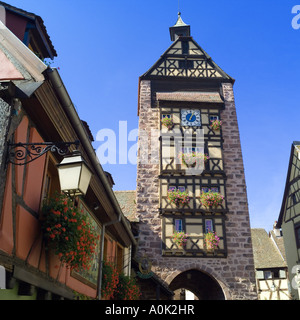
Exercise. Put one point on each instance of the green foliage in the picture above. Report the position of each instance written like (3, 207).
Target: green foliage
(127, 289)
(211, 199)
(178, 197)
(180, 238)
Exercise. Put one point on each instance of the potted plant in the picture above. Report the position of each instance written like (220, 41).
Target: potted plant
(216, 124)
(110, 280)
(211, 241)
(178, 197)
(68, 233)
(127, 289)
(179, 238)
(167, 122)
(211, 199)
(192, 159)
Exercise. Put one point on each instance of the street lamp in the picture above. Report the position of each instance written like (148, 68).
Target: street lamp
(74, 175)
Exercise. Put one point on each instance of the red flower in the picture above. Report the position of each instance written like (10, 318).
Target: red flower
(78, 243)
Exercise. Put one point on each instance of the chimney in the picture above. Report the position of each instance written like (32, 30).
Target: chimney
(276, 230)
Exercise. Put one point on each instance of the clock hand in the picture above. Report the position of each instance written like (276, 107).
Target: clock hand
(191, 116)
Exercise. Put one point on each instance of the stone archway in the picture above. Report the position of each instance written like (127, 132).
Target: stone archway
(204, 286)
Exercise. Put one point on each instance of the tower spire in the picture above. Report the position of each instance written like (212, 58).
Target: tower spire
(180, 29)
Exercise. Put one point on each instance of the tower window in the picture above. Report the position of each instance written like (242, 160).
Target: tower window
(213, 189)
(166, 116)
(185, 47)
(178, 225)
(213, 118)
(186, 64)
(180, 188)
(209, 225)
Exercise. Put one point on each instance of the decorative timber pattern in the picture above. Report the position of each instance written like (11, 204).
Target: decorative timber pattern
(185, 58)
(192, 217)
(292, 201)
(232, 263)
(179, 96)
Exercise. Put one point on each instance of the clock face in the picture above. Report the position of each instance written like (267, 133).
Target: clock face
(190, 118)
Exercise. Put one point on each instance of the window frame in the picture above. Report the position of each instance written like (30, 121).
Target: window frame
(180, 188)
(212, 225)
(297, 234)
(181, 225)
(213, 189)
(215, 117)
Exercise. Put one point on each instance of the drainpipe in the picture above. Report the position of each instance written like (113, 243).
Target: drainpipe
(99, 284)
(68, 105)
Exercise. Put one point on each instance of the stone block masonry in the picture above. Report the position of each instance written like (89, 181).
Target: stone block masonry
(235, 274)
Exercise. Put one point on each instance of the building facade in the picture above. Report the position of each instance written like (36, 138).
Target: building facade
(179, 98)
(272, 279)
(289, 219)
(36, 109)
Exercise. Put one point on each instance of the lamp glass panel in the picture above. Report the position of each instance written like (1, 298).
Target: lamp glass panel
(84, 179)
(69, 176)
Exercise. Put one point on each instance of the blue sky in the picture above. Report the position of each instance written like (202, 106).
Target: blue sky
(104, 46)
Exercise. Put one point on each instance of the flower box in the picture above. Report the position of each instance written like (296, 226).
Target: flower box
(167, 122)
(192, 159)
(68, 233)
(211, 241)
(178, 197)
(211, 199)
(179, 238)
(216, 125)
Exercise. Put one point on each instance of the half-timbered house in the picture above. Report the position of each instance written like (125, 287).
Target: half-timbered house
(37, 116)
(289, 218)
(272, 281)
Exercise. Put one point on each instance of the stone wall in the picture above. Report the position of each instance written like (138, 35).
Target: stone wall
(235, 274)
(147, 177)
(5, 113)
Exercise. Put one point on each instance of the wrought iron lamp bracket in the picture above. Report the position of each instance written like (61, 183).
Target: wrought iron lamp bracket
(23, 153)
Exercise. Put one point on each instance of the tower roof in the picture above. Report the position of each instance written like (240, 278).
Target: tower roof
(186, 59)
(179, 29)
(179, 22)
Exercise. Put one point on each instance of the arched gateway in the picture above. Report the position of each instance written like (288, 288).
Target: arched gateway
(190, 175)
(201, 284)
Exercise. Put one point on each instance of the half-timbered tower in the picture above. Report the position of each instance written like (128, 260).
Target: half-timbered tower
(183, 99)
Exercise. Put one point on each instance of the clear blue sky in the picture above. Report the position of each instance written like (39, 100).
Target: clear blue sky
(104, 46)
